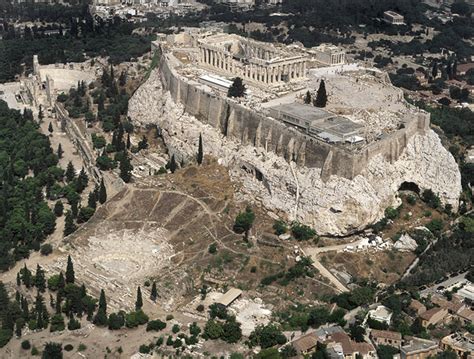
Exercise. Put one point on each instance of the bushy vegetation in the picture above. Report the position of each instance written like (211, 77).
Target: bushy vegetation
(451, 253)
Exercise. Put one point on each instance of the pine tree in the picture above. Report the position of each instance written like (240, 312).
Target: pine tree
(92, 200)
(50, 128)
(173, 165)
(40, 281)
(69, 226)
(321, 97)
(200, 153)
(307, 98)
(154, 292)
(60, 151)
(58, 302)
(139, 302)
(102, 192)
(70, 172)
(70, 277)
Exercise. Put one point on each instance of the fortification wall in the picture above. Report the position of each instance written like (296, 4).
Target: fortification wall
(249, 127)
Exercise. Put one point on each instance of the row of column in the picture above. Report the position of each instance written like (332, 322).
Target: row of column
(258, 52)
(259, 73)
(338, 58)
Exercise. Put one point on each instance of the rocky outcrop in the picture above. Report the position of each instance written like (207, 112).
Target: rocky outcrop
(336, 206)
(405, 243)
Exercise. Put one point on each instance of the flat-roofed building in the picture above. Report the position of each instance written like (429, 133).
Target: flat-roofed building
(461, 344)
(229, 297)
(381, 314)
(386, 337)
(417, 348)
(393, 18)
(318, 122)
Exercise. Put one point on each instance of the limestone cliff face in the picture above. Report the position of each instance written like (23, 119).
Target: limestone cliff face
(338, 206)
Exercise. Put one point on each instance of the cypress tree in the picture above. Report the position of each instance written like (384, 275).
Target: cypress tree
(69, 226)
(61, 283)
(70, 172)
(82, 181)
(40, 281)
(102, 192)
(321, 96)
(307, 98)
(128, 141)
(125, 168)
(101, 316)
(18, 279)
(173, 165)
(139, 302)
(91, 200)
(70, 277)
(200, 153)
(60, 151)
(50, 127)
(154, 292)
(26, 276)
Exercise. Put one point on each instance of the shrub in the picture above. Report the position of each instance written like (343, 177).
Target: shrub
(411, 199)
(155, 325)
(68, 347)
(46, 249)
(175, 329)
(169, 317)
(200, 308)
(34, 351)
(116, 321)
(213, 248)
(302, 232)
(134, 319)
(391, 213)
(57, 323)
(144, 349)
(25, 344)
(280, 227)
(435, 225)
(431, 198)
(53, 282)
(81, 347)
(5, 336)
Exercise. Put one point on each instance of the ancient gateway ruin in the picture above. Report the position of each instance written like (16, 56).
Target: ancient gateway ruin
(254, 61)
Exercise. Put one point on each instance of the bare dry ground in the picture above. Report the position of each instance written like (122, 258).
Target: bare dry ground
(160, 229)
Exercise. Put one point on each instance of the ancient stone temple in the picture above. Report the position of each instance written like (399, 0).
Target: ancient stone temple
(254, 61)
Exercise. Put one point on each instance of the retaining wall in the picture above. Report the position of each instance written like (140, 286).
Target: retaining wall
(250, 127)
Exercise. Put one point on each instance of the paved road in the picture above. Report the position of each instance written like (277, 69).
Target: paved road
(446, 284)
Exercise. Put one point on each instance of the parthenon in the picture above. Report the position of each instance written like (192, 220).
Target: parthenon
(260, 63)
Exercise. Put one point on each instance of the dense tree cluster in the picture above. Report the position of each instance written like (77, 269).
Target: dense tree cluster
(27, 167)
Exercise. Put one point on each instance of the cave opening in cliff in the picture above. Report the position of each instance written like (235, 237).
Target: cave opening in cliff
(409, 186)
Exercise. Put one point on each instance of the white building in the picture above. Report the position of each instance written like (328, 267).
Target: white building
(393, 18)
(381, 314)
(329, 55)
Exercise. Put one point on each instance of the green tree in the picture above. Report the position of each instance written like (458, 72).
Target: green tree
(58, 208)
(40, 281)
(50, 128)
(102, 192)
(139, 301)
(92, 200)
(307, 98)
(70, 172)
(69, 226)
(52, 351)
(125, 168)
(200, 153)
(154, 292)
(172, 164)
(101, 316)
(321, 96)
(60, 151)
(237, 89)
(213, 330)
(244, 221)
(70, 276)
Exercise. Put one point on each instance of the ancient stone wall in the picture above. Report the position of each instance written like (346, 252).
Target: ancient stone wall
(249, 127)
